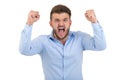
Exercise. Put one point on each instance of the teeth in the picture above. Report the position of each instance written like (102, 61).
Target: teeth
(62, 30)
(60, 27)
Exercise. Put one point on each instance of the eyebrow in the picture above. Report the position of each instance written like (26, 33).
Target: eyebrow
(63, 19)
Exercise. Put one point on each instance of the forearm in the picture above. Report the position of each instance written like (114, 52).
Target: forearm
(24, 46)
(99, 37)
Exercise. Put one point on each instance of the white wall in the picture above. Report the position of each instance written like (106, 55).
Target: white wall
(103, 65)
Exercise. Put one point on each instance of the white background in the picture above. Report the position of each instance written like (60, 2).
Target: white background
(97, 65)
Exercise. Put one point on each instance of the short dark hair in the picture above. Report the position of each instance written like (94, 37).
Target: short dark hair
(60, 9)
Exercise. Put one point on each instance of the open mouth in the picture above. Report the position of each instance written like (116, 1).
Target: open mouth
(61, 29)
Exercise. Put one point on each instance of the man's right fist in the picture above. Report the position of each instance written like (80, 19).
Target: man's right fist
(33, 16)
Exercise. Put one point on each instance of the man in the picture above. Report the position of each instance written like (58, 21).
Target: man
(61, 51)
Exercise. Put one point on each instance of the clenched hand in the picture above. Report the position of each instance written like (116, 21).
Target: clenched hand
(33, 16)
(90, 16)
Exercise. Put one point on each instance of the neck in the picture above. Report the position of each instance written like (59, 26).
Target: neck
(62, 40)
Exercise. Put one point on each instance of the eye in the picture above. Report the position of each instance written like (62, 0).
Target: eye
(66, 19)
(57, 20)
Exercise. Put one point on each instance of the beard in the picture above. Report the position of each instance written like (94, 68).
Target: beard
(57, 35)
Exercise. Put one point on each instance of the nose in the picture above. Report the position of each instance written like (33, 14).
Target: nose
(61, 23)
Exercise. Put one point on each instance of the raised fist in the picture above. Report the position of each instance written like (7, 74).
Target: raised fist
(33, 16)
(90, 15)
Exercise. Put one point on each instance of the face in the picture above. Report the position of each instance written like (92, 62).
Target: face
(61, 25)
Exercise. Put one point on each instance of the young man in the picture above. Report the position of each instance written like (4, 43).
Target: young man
(61, 51)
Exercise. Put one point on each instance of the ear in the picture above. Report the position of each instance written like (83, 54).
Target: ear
(70, 22)
(50, 22)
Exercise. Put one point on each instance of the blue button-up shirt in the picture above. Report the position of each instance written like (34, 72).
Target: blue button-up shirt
(62, 62)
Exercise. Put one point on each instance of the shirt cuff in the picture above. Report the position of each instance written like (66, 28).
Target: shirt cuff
(96, 26)
(26, 25)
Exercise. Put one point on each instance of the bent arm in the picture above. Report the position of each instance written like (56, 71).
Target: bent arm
(26, 46)
(97, 42)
